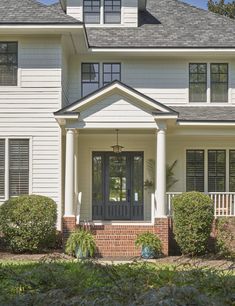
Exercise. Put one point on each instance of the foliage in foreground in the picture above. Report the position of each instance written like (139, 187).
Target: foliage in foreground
(77, 283)
(222, 8)
(193, 216)
(28, 223)
(225, 238)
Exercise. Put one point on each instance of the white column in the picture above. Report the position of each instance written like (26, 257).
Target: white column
(160, 188)
(69, 174)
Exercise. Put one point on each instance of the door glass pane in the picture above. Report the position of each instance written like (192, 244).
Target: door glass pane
(117, 179)
(97, 189)
(138, 179)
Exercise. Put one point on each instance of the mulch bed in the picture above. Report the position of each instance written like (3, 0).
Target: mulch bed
(212, 262)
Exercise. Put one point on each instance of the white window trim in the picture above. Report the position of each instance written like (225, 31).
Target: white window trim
(7, 162)
(208, 101)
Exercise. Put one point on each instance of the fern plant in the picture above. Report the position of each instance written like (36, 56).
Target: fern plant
(170, 176)
(149, 240)
(81, 242)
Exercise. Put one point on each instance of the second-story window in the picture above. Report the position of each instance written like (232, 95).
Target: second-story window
(111, 72)
(91, 11)
(8, 63)
(219, 82)
(90, 78)
(112, 11)
(95, 75)
(197, 82)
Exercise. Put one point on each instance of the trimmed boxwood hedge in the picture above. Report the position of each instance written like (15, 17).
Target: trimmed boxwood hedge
(192, 217)
(225, 237)
(28, 223)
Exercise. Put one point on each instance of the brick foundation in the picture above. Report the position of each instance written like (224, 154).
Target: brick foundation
(68, 225)
(119, 240)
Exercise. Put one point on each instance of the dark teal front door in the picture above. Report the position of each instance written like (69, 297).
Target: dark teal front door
(117, 186)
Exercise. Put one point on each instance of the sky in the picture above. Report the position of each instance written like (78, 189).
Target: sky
(199, 3)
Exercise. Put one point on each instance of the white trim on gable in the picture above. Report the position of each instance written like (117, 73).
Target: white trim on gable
(117, 87)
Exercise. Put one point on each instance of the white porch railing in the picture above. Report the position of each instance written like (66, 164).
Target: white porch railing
(224, 203)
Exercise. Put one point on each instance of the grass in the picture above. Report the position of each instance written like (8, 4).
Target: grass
(87, 283)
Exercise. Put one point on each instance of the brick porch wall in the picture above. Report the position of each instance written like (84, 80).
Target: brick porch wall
(119, 240)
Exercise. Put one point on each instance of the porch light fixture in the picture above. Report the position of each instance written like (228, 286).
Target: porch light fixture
(116, 148)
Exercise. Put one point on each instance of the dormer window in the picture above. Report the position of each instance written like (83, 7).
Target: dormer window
(102, 11)
(91, 11)
(112, 11)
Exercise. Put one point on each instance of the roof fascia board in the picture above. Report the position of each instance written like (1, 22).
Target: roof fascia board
(165, 50)
(206, 123)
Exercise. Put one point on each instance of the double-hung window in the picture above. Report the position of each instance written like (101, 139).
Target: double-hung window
(90, 78)
(197, 82)
(102, 11)
(219, 82)
(91, 75)
(15, 165)
(91, 11)
(112, 11)
(8, 63)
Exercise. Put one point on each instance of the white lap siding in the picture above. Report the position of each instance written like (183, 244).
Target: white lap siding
(26, 111)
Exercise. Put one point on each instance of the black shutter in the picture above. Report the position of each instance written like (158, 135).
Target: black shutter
(2, 167)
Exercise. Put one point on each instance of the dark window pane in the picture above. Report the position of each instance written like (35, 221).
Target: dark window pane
(195, 170)
(90, 78)
(97, 189)
(112, 11)
(219, 82)
(8, 64)
(138, 179)
(216, 170)
(198, 82)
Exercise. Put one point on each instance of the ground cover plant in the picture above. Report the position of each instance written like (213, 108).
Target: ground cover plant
(88, 283)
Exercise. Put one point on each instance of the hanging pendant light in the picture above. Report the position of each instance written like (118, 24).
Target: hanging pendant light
(117, 148)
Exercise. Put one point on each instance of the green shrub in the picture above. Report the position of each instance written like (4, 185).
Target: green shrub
(225, 238)
(28, 223)
(192, 217)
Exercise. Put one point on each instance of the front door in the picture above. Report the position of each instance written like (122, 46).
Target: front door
(117, 187)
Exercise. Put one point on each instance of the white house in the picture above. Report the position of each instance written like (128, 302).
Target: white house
(159, 75)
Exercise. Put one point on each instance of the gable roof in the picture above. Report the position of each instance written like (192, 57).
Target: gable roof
(123, 88)
(169, 24)
(33, 12)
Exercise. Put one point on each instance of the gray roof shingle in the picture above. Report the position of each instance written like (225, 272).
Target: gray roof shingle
(32, 12)
(169, 23)
(205, 113)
